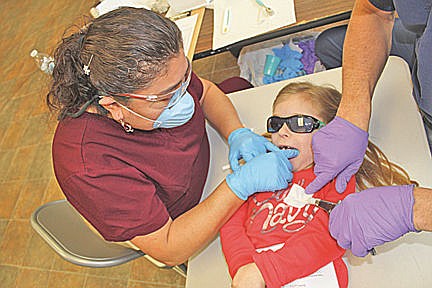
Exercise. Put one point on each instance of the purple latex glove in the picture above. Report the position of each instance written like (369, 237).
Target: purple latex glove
(372, 217)
(339, 149)
(308, 59)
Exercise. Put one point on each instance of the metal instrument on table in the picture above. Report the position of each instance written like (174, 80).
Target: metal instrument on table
(266, 7)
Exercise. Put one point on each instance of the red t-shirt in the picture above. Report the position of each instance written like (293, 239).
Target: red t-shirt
(265, 220)
(129, 184)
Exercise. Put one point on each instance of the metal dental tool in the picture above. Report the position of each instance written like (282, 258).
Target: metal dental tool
(268, 9)
(226, 24)
(323, 204)
(328, 207)
(298, 198)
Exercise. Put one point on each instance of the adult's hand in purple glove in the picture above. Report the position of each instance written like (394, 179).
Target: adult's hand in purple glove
(339, 149)
(372, 217)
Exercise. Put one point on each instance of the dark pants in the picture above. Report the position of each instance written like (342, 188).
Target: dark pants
(329, 44)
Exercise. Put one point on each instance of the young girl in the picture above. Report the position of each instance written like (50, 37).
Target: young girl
(269, 242)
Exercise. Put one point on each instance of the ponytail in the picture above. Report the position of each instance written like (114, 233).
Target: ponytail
(72, 91)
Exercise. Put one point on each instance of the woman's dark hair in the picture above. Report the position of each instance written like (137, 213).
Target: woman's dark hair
(128, 48)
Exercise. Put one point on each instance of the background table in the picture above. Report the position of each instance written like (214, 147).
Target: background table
(309, 14)
(396, 127)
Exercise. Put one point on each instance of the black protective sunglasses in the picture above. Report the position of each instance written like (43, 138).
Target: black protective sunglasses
(296, 123)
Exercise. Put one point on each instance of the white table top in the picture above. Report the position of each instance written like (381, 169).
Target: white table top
(396, 127)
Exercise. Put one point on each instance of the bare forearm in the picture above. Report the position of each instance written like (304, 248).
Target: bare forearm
(201, 224)
(219, 110)
(181, 238)
(366, 49)
(422, 210)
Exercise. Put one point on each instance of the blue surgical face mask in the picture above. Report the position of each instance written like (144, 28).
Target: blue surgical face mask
(180, 110)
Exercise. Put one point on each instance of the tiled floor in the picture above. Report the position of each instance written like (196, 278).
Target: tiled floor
(26, 175)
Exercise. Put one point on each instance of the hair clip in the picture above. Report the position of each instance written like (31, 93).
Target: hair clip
(86, 68)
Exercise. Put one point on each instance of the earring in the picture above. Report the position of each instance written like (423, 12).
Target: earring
(126, 126)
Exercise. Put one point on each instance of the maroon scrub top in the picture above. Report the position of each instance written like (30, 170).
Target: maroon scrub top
(129, 184)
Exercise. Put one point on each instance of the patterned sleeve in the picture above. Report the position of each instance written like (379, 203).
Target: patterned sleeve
(236, 246)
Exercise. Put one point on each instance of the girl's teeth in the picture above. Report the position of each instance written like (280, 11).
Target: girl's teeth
(285, 147)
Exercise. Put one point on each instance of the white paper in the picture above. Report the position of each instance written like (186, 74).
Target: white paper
(179, 6)
(109, 5)
(323, 278)
(248, 19)
(187, 27)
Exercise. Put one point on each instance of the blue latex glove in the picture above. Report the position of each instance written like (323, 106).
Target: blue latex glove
(372, 217)
(243, 143)
(289, 67)
(339, 149)
(266, 172)
(285, 52)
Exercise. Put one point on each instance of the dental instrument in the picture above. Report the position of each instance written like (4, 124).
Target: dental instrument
(226, 24)
(267, 8)
(297, 198)
(323, 204)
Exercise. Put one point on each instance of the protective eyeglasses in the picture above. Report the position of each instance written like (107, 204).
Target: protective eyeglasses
(176, 93)
(296, 123)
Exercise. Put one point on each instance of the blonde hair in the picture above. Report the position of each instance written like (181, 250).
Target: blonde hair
(376, 169)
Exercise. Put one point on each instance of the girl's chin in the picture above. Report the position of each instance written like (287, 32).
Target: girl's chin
(300, 166)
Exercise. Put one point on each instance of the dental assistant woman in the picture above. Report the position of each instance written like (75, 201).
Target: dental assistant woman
(131, 152)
